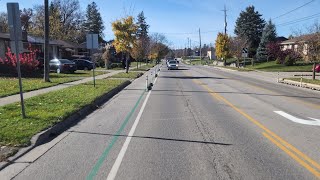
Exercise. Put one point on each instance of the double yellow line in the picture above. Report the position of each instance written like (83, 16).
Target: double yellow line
(293, 152)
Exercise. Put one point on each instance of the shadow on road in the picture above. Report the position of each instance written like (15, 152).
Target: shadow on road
(156, 138)
(180, 69)
(189, 77)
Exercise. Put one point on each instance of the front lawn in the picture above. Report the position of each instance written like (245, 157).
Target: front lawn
(237, 69)
(273, 67)
(45, 110)
(10, 86)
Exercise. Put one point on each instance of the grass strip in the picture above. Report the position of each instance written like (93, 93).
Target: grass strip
(129, 75)
(10, 86)
(46, 110)
(316, 81)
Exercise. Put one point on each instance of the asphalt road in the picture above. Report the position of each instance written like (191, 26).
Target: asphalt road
(196, 123)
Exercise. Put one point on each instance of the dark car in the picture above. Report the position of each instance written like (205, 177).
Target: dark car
(62, 65)
(83, 64)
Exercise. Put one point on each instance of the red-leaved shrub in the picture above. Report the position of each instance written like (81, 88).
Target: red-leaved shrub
(28, 62)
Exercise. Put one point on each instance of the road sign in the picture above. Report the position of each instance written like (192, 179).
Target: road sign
(16, 43)
(244, 52)
(15, 27)
(92, 41)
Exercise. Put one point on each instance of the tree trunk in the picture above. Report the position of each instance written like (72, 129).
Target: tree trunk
(137, 64)
(314, 71)
(127, 62)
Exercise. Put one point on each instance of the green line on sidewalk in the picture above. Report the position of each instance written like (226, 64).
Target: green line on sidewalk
(105, 153)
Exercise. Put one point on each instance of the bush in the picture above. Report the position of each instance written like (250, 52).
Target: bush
(289, 60)
(28, 63)
(278, 61)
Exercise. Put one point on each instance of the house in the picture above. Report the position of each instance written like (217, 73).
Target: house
(281, 39)
(4, 43)
(300, 44)
(211, 54)
(57, 48)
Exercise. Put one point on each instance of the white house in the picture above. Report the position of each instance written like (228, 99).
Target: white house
(211, 54)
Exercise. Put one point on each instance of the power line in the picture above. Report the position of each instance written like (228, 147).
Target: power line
(299, 20)
(293, 10)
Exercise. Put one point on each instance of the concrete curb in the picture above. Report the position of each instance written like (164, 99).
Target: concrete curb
(298, 84)
(50, 133)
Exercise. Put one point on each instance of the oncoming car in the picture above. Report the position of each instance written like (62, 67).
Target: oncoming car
(173, 65)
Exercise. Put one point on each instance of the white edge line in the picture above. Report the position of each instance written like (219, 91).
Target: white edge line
(117, 163)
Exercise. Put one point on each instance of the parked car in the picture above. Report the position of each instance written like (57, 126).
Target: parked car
(83, 64)
(172, 65)
(62, 65)
(317, 68)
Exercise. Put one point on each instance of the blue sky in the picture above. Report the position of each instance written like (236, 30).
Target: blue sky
(180, 19)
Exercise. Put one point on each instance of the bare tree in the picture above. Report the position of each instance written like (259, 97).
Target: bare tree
(308, 45)
(25, 16)
(4, 22)
(236, 46)
(158, 46)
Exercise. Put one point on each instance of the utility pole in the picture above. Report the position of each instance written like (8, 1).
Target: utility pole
(225, 19)
(200, 46)
(46, 41)
(188, 46)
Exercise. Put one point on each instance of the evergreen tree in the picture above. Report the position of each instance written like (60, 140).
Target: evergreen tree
(143, 27)
(94, 23)
(141, 45)
(269, 34)
(249, 26)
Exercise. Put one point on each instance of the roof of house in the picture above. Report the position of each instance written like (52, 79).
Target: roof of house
(281, 39)
(39, 40)
(302, 38)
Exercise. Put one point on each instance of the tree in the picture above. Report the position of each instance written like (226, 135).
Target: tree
(143, 27)
(158, 47)
(274, 50)
(269, 34)
(309, 44)
(236, 46)
(222, 47)
(4, 22)
(65, 21)
(125, 35)
(140, 47)
(25, 16)
(249, 25)
(94, 22)
(312, 44)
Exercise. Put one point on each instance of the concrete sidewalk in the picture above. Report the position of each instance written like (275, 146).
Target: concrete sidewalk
(108, 118)
(26, 95)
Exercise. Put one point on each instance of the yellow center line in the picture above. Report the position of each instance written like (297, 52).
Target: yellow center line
(292, 99)
(295, 157)
(257, 123)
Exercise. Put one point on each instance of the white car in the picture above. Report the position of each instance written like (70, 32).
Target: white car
(173, 65)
